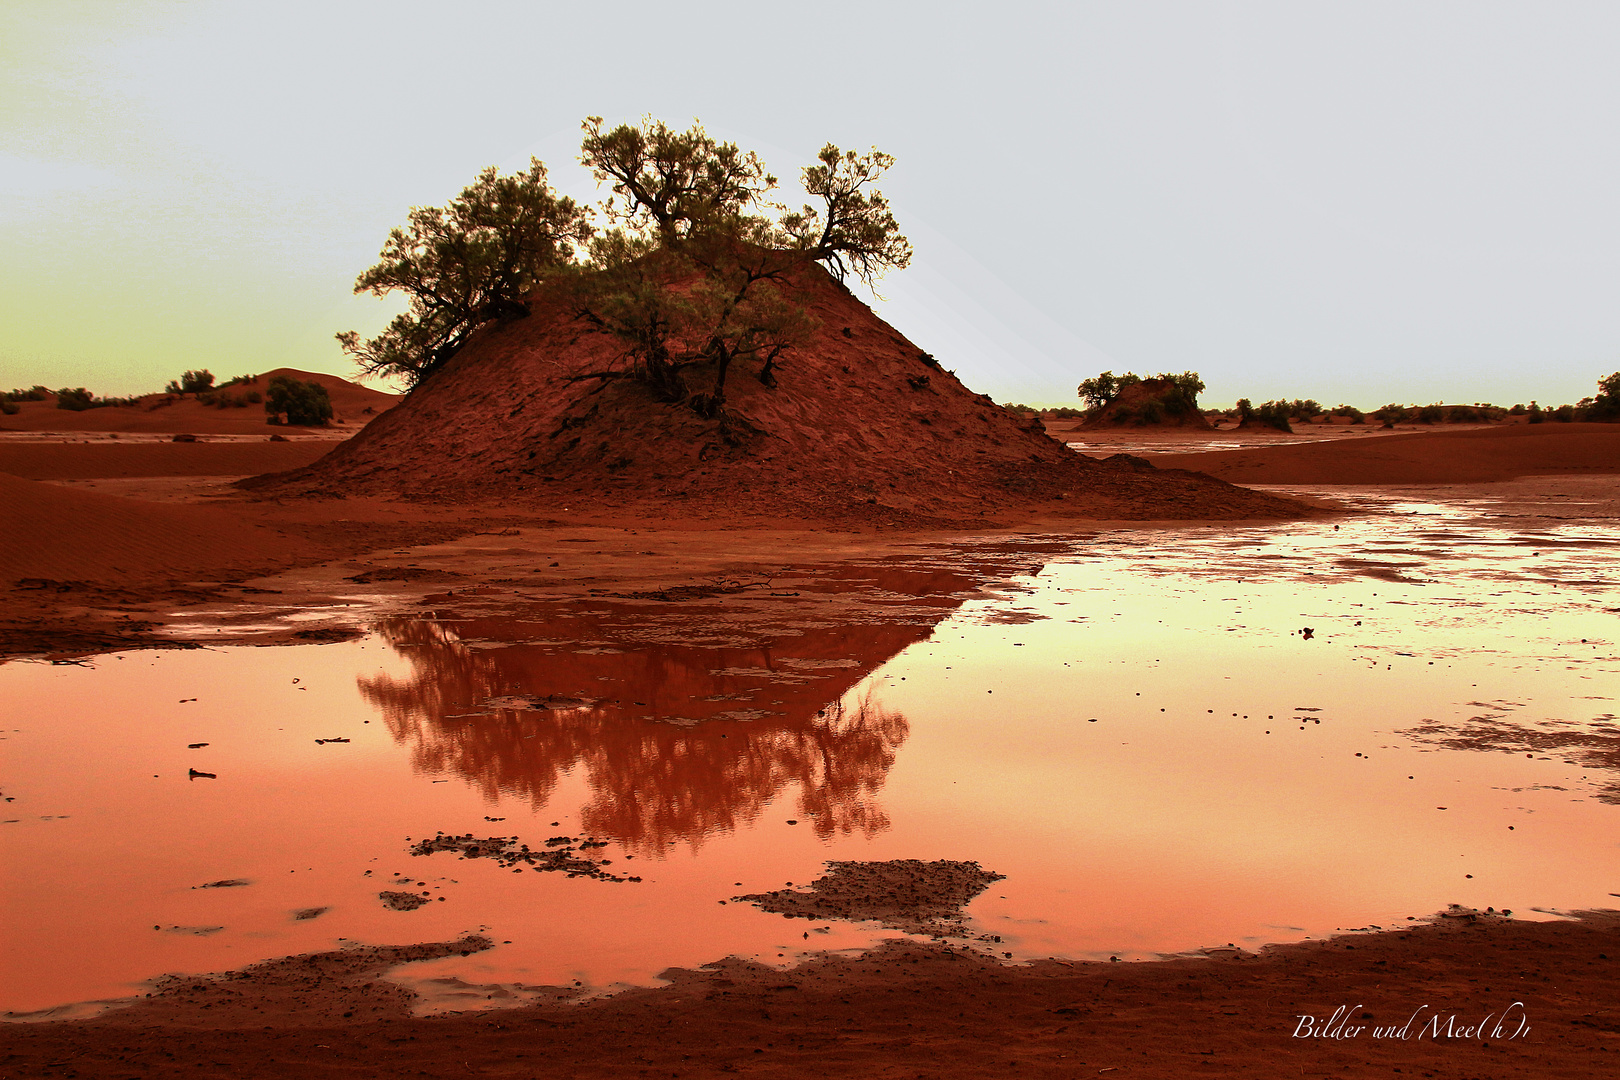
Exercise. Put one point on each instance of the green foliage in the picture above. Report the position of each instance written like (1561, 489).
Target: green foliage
(75, 399)
(1273, 414)
(1431, 414)
(303, 403)
(1356, 415)
(1605, 404)
(688, 277)
(9, 407)
(691, 212)
(1065, 413)
(1180, 399)
(34, 393)
(466, 264)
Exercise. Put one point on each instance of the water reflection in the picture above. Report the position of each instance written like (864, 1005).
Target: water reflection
(678, 741)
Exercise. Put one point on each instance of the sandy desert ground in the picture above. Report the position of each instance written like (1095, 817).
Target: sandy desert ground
(124, 544)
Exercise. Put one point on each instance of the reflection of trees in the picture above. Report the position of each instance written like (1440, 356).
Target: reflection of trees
(748, 723)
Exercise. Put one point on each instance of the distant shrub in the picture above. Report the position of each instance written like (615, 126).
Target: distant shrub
(9, 407)
(193, 382)
(240, 380)
(1517, 410)
(1463, 414)
(1431, 414)
(299, 402)
(1064, 413)
(1534, 414)
(34, 393)
(1563, 414)
(74, 399)
(1605, 405)
(1272, 414)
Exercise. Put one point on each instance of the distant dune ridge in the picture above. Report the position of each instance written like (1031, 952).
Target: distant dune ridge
(858, 416)
(352, 406)
(1472, 455)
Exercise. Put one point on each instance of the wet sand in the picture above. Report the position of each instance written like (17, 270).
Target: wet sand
(1465, 997)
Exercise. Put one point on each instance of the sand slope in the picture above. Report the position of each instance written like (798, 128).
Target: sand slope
(114, 460)
(54, 532)
(164, 413)
(1446, 457)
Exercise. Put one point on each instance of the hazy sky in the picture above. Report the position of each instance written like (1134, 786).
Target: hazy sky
(1359, 201)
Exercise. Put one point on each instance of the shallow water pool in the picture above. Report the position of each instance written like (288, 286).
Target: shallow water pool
(1133, 727)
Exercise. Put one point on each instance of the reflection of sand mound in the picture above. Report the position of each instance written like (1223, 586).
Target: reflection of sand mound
(53, 532)
(163, 413)
(1448, 457)
(856, 416)
(653, 781)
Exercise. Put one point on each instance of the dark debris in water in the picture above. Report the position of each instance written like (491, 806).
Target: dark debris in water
(905, 894)
(402, 901)
(1577, 744)
(563, 854)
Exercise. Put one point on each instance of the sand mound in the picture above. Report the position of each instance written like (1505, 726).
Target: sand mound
(859, 417)
(1475, 455)
(1143, 404)
(51, 532)
(352, 406)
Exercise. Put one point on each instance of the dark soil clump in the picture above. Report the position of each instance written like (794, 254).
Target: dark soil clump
(905, 894)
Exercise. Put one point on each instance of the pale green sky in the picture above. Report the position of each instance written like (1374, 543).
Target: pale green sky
(1357, 202)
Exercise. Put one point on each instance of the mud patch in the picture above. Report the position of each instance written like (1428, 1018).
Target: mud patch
(561, 854)
(904, 894)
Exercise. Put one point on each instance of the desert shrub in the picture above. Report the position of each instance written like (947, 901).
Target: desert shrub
(9, 407)
(1563, 414)
(1273, 414)
(1534, 414)
(74, 399)
(300, 402)
(252, 397)
(1431, 414)
(192, 382)
(1064, 413)
(1356, 415)
(1605, 404)
(1463, 414)
(240, 380)
(33, 393)
(1302, 408)
(1517, 410)
(1152, 411)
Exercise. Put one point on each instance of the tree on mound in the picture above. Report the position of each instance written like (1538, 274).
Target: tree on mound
(464, 265)
(1131, 399)
(689, 278)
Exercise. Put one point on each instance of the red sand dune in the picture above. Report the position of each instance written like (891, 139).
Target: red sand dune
(165, 413)
(54, 532)
(1476, 455)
